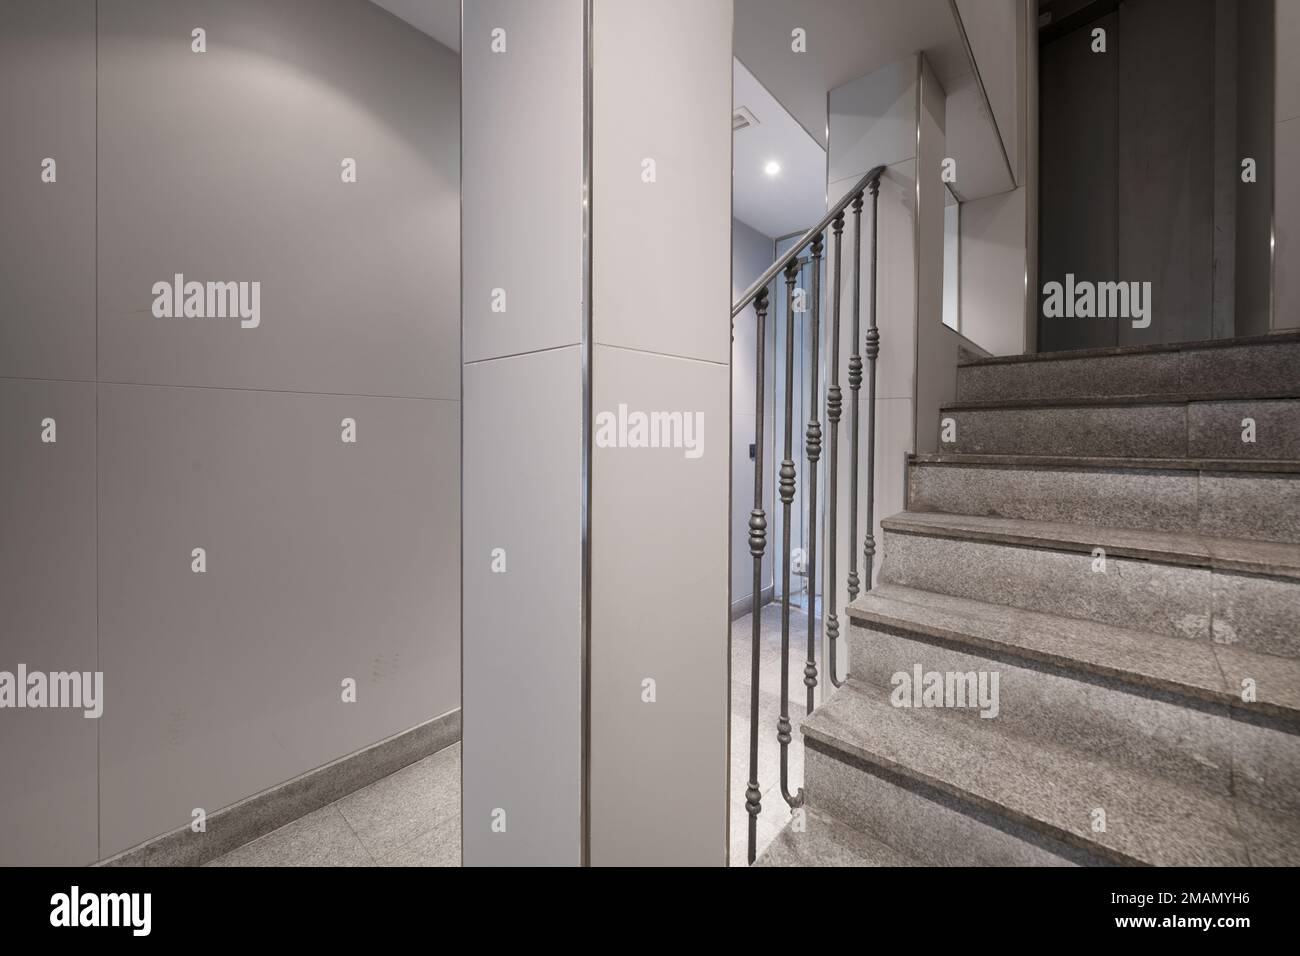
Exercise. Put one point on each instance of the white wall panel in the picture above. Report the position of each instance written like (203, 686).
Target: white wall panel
(523, 475)
(661, 305)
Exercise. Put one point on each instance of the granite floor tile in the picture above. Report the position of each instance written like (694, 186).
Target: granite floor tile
(775, 812)
(440, 846)
(826, 842)
(392, 812)
(772, 820)
(409, 818)
(770, 650)
(322, 838)
(769, 749)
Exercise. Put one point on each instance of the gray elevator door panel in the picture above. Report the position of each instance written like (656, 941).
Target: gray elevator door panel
(1078, 231)
(1165, 52)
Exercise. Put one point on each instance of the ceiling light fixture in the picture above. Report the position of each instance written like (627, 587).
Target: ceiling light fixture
(772, 167)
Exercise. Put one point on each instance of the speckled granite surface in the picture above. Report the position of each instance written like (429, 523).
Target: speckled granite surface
(1202, 429)
(1051, 791)
(1269, 363)
(1148, 708)
(1201, 671)
(1172, 585)
(1144, 701)
(1176, 495)
(822, 841)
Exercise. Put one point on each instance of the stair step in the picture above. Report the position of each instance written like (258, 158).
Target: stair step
(1185, 586)
(1141, 661)
(1199, 496)
(1122, 429)
(825, 841)
(957, 776)
(1278, 466)
(1193, 550)
(1261, 363)
(1145, 700)
(1123, 401)
(1170, 585)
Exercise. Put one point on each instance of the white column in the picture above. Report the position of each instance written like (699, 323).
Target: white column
(662, 297)
(595, 686)
(523, 349)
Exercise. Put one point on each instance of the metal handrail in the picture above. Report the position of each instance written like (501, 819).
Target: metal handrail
(759, 295)
(775, 269)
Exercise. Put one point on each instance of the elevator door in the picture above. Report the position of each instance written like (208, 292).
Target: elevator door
(1127, 167)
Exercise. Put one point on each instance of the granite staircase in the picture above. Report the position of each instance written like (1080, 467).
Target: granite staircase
(1100, 534)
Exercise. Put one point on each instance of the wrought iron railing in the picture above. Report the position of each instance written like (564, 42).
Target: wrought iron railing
(757, 293)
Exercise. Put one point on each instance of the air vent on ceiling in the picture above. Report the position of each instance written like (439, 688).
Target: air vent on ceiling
(741, 118)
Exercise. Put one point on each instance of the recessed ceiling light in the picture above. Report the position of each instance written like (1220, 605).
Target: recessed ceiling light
(772, 167)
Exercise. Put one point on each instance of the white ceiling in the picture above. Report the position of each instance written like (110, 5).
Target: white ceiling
(846, 39)
(795, 198)
(438, 18)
